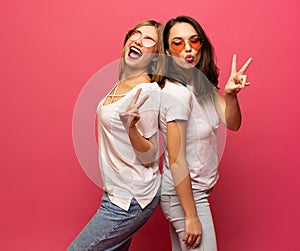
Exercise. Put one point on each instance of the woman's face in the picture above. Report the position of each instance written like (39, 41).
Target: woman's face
(141, 47)
(184, 45)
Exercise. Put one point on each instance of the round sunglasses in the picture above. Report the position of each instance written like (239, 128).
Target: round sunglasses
(135, 35)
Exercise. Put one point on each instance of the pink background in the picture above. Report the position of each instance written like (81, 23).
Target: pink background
(49, 50)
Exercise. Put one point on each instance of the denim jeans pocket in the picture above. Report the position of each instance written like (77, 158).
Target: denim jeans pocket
(165, 205)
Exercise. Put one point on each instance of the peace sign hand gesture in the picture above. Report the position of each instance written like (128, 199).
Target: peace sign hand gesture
(131, 116)
(237, 80)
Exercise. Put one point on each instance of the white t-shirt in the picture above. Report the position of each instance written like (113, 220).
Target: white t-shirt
(123, 175)
(179, 103)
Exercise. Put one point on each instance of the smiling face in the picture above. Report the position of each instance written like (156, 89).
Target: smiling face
(141, 47)
(184, 45)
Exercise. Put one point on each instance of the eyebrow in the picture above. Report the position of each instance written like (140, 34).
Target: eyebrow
(196, 35)
(146, 36)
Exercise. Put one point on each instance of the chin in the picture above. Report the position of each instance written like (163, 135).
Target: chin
(132, 62)
(185, 65)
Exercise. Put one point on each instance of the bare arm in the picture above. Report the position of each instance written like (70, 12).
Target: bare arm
(228, 106)
(229, 111)
(176, 138)
(145, 149)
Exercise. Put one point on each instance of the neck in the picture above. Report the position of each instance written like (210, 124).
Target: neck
(133, 80)
(130, 72)
(187, 73)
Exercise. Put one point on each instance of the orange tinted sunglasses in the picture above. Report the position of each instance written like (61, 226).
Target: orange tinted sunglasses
(178, 44)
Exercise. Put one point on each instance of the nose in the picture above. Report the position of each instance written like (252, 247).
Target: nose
(187, 46)
(139, 42)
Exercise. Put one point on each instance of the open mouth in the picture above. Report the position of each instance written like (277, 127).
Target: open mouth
(134, 52)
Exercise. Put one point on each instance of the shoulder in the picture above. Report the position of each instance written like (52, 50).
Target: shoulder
(152, 89)
(152, 86)
(176, 90)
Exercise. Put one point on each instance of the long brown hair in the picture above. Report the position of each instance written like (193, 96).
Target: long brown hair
(155, 68)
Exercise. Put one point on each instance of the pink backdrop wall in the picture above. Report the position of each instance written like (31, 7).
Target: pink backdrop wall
(49, 49)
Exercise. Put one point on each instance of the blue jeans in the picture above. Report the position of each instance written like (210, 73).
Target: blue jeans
(172, 210)
(112, 227)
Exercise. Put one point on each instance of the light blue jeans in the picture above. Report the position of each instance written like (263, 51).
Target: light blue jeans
(112, 228)
(172, 210)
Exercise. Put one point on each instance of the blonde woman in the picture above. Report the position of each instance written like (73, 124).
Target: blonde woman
(128, 149)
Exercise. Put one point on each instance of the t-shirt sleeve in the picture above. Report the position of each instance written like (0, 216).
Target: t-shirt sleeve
(176, 103)
(149, 111)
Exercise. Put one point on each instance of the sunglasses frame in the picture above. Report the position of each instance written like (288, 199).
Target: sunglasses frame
(131, 32)
(189, 41)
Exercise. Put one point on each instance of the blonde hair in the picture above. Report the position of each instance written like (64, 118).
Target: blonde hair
(155, 68)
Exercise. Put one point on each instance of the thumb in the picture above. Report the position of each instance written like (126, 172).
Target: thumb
(135, 120)
(122, 114)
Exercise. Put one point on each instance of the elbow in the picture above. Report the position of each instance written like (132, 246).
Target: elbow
(234, 127)
(147, 162)
(147, 159)
(233, 124)
(173, 161)
(147, 165)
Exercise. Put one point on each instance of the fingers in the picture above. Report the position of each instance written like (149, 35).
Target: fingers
(130, 114)
(245, 66)
(242, 80)
(129, 119)
(233, 66)
(142, 101)
(136, 96)
(188, 240)
(237, 88)
(122, 114)
(197, 242)
(135, 119)
(192, 240)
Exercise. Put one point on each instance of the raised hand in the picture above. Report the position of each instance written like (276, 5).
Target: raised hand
(131, 116)
(237, 80)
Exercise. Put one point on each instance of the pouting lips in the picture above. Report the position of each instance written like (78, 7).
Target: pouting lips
(189, 58)
(134, 52)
